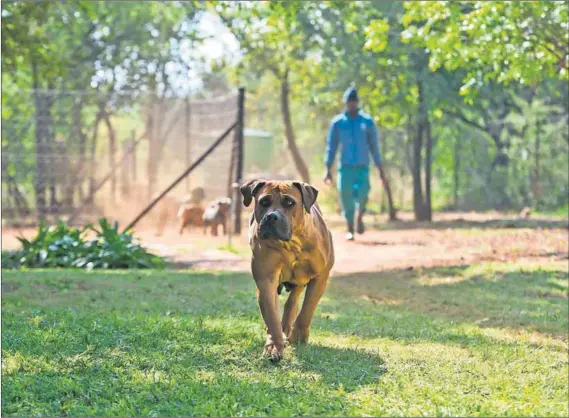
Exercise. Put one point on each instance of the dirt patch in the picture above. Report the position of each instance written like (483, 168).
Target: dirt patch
(453, 239)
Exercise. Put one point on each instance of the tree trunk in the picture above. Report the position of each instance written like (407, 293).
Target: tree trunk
(387, 189)
(158, 138)
(67, 176)
(536, 188)
(49, 149)
(390, 205)
(125, 170)
(416, 172)
(80, 170)
(133, 156)
(20, 203)
(408, 157)
(421, 207)
(427, 209)
(93, 152)
(75, 175)
(39, 183)
(456, 174)
(289, 129)
(112, 155)
(151, 172)
(187, 131)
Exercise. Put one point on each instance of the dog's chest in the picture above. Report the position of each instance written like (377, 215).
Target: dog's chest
(297, 268)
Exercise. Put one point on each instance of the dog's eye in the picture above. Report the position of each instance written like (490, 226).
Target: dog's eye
(265, 202)
(288, 203)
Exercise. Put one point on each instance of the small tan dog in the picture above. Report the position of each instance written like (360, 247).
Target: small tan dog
(217, 213)
(190, 215)
(292, 247)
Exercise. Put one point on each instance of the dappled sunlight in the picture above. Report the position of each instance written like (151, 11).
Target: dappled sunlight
(147, 335)
(16, 363)
(538, 339)
(149, 376)
(440, 174)
(388, 347)
(488, 295)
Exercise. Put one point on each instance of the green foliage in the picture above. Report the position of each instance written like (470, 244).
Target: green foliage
(64, 63)
(65, 246)
(122, 46)
(525, 42)
(485, 69)
(484, 155)
(487, 340)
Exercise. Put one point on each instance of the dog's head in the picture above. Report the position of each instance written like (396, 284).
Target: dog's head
(279, 205)
(223, 204)
(218, 208)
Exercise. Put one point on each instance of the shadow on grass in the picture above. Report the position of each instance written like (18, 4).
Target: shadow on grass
(347, 368)
(179, 343)
(525, 300)
(136, 365)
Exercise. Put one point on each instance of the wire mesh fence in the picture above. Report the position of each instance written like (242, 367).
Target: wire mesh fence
(107, 154)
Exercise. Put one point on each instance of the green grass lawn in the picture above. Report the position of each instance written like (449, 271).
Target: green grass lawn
(484, 340)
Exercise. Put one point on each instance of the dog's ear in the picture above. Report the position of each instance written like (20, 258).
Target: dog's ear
(308, 192)
(249, 189)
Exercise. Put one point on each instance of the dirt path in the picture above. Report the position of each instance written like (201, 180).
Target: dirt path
(457, 240)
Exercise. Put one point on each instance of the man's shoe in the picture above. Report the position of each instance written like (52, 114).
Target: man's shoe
(350, 234)
(361, 226)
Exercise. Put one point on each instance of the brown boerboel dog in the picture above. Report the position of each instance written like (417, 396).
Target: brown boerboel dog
(292, 248)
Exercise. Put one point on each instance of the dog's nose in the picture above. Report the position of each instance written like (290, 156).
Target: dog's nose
(272, 217)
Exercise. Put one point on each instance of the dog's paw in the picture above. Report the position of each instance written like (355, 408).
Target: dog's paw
(273, 350)
(299, 336)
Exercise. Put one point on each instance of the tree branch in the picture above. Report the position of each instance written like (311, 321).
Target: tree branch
(467, 121)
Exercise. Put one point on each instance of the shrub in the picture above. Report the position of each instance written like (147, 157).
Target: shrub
(62, 245)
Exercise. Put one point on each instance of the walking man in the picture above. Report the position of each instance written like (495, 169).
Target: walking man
(355, 134)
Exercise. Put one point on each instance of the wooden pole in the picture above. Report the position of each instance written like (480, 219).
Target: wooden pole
(125, 169)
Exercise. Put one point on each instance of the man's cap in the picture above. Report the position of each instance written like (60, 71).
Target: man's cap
(350, 94)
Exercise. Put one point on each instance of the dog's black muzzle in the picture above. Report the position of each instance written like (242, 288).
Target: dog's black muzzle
(275, 225)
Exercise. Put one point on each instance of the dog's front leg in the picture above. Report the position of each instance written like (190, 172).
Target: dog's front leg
(291, 309)
(268, 304)
(314, 291)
